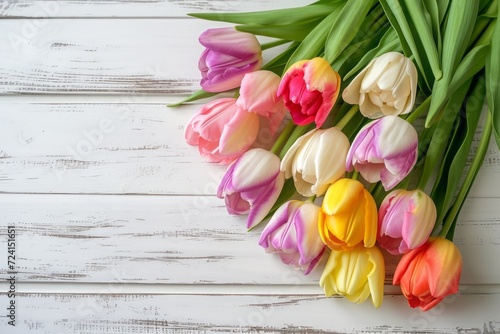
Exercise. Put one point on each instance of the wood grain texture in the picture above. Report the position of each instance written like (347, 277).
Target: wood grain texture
(131, 8)
(121, 148)
(115, 313)
(78, 56)
(181, 240)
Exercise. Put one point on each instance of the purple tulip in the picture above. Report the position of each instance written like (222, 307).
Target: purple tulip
(252, 185)
(293, 234)
(228, 56)
(384, 150)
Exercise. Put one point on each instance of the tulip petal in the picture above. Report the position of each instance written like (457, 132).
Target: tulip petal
(376, 277)
(262, 200)
(239, 134)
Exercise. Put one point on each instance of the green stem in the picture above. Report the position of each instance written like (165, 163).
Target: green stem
(311, 199)
(350, 114)
(282, 138)
(419, 110)
(273, 44)
(471, 175)
(297, 132)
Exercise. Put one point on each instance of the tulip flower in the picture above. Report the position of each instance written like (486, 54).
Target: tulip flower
(258, 94)
(405, 220)
(429, 273)
(252, 185)
(221, 131)
(348, 216)
(384, 150)
(316, 160)
(292, 233)
(355, 274)
(309, 89)
(228, 56)
(387, 86)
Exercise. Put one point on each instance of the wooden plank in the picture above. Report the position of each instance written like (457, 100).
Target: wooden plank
(142, 313)
(130, 8)
(101, 56)
(132, 146)
(181, 240)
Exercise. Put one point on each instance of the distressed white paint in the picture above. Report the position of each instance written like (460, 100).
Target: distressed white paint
(116, 312)
(123, 147)
(117, 223)
(130, 8)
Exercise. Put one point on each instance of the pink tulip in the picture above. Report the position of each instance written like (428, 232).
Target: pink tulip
(221, 131)
(228, 56)
(293, 234)
(252, 185)
(405, 220)
(384, 150)
(258, 94)
(310, 89)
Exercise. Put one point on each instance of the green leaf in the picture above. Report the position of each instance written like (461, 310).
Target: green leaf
(274, 17)
(201, 94)
(442, 9)
(314, 43)
(432, 7)
(280, 60)
(388, 42)
(456, 156)
(441, 136)
(424, 28)
(346, 27)
(291, 32)
(461, 19)
(286, 193)
(493, 80)
(398, 16)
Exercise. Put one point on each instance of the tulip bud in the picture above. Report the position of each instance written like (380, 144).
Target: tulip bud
(348, 216)
(221, 131)
(292, 233)
(228, 56)
(405, 220)
(252, 185)
(355, 274)
(316, 160)
(384, 150)
(387, 86)
(429, 273)
(309, 89)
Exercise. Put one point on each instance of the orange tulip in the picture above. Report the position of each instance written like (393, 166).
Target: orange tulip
(429, 273)
(348, 216)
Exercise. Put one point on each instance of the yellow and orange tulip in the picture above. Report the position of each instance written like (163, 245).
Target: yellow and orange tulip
(429, 273)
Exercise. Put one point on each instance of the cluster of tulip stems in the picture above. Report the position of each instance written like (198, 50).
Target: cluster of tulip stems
(320, 142)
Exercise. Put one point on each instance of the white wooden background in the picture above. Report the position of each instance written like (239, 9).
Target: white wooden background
(118, 228)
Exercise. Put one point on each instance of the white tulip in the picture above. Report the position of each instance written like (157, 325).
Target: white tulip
(316, 160)
(387, 86)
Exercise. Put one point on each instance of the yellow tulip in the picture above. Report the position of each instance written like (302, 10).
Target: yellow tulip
(348, 216)
(355, 274)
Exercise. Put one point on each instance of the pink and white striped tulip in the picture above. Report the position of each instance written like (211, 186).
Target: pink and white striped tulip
(228, 56)
(309, 89)
(222, 131)
(316, 160)
(405, 219)
(252, 185)
(293, 234)
(384, 150)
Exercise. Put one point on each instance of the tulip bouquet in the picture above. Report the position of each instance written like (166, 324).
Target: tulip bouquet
(323, 142)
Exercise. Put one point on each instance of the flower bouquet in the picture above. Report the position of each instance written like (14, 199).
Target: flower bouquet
(355, 136)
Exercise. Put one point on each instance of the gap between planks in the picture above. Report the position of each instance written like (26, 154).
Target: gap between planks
(113, 288)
